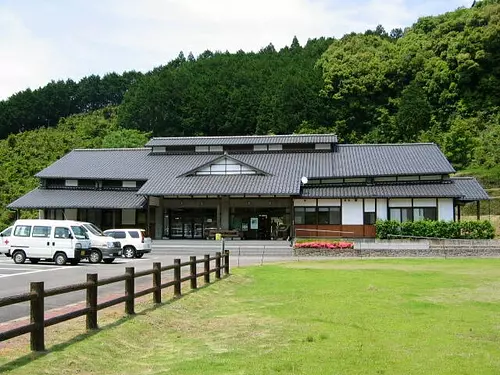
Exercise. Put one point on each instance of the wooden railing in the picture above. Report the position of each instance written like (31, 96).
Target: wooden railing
(37, 294)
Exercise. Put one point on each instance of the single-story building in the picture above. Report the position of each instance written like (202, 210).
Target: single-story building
(254, 187)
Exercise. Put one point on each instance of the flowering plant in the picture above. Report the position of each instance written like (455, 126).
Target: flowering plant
(324, 245)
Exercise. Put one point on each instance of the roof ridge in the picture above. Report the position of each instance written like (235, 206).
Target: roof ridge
(114, 149)
(385, 144)
(246, 136)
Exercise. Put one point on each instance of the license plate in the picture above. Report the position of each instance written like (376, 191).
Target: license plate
(82, 253)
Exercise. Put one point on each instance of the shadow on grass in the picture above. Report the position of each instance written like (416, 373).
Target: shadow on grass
(26, 359)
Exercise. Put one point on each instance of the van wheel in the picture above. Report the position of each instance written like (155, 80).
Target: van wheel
(129, 252)
(34, 260)
(60, 259)
(19, 257)
(95, 256)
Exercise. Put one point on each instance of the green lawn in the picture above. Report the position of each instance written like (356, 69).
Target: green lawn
(404, 316)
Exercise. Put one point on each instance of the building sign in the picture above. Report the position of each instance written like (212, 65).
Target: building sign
(254, 223)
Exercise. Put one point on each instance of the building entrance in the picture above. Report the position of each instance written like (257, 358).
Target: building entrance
(188, 223)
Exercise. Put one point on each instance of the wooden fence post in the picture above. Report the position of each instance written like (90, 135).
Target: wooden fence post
(37, 310)
(192, 267)
(91, 316)
(226, 262)
(130, 290)
(206, 268)
(157, 282)
(217, 264)
(177, 277)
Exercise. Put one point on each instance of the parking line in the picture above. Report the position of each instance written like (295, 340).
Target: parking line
(15, 269)
(27, 273)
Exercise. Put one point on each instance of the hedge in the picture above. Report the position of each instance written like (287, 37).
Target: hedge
(437, 229)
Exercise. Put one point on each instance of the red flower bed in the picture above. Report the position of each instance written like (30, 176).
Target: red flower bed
(324, 245)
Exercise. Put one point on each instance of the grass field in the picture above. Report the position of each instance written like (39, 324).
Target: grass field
(405, 316)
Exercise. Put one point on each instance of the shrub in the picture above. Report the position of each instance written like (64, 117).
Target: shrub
(437, 229)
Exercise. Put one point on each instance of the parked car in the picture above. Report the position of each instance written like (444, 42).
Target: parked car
(59, 241)
(103, 247)
(5, 241)
(134, 242)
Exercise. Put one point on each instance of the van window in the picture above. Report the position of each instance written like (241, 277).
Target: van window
(39, 231)
(22, 231)
(62, 232)
(133, 233)
(80, 232)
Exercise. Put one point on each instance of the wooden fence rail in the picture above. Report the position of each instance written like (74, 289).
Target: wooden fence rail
(37, 295)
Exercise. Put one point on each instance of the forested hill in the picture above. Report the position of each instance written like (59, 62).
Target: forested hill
(438, 81)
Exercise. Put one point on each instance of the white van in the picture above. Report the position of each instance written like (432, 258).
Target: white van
(102, 247)
(56, 240)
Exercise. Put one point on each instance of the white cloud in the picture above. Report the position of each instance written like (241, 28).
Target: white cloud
(79, 38)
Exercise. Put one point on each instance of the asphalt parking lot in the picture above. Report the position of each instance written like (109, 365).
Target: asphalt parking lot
(15, 278)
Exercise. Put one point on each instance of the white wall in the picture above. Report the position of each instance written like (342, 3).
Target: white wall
(329, 203)
(370, 205)
(129, 184)
(352, 211)
(71, 183)
(445, 209)
(304, 202)
(400, 202)
(382, 209)
(424, 202)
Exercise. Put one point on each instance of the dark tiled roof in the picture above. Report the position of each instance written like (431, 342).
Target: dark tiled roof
(242, 140)
(448, 190)
(284, 169)
(471, 189)
(464, 189)
(48, 198)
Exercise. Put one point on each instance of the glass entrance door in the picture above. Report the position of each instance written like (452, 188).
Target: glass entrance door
(188, 223)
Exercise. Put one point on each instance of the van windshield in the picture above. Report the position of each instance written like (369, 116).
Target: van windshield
(93, 229)
(80, 232)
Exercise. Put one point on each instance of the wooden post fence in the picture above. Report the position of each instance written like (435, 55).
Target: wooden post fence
(37, 294)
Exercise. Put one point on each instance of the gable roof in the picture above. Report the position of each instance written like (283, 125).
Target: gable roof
(242, 140)
(219, 159)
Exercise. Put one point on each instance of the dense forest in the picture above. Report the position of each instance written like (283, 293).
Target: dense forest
(436, 81)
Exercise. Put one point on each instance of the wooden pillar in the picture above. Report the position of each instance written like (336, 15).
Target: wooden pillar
(459, 212)
(478, 210)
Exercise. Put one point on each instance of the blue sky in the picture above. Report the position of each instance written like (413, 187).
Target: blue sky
(43, 40)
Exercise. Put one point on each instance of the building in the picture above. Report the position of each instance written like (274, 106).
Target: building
(254, 187)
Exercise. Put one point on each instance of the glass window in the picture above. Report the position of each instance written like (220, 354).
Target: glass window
(22, 231)
(369, 218)
(323, 215)
(119, 234)
(61, 232)
(401, 214)
(39, 231)
(425, 213)
(80, 232)
(310, 216)
(133, 233)
(300, 215)
(329, 215)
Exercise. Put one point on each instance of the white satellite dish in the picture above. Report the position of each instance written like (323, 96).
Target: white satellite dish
(304, 180)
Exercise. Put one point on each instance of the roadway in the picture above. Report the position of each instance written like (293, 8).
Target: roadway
(16, 278)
